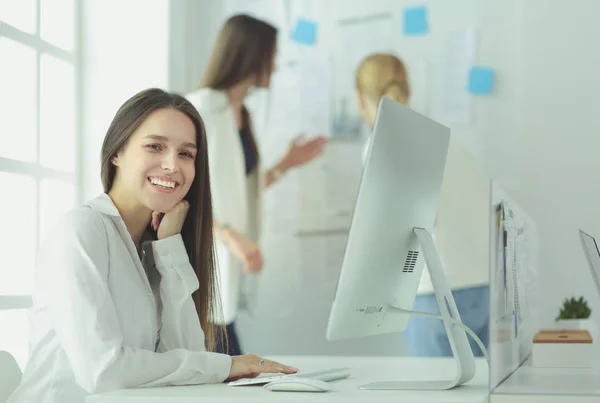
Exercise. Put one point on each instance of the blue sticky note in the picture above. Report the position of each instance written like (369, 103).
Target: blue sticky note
(415, 21)
(305, 31)
(481, 80)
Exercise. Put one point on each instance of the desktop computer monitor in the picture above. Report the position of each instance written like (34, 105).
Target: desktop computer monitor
(592, 254)
(390, 239)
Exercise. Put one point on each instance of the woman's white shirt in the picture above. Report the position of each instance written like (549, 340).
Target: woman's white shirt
(96, 324)
(461, 231)
(236, 197)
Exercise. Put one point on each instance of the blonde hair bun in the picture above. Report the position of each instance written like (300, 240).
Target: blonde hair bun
(383, 74)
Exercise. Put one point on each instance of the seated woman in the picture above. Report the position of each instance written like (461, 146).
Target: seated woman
(125, 286)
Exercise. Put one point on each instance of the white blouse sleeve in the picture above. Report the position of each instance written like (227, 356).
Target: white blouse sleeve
(180, 324)
(74, 270)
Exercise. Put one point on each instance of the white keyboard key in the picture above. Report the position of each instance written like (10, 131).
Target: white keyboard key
(322, 375)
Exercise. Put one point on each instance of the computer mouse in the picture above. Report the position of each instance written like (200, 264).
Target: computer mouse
(298, 384)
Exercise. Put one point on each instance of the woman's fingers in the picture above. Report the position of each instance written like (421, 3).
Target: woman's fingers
(273, 366)
(255, 260)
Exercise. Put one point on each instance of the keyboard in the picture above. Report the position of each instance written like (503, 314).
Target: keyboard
(325, 375)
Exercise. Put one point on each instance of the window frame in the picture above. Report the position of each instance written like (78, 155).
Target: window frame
(34, 169)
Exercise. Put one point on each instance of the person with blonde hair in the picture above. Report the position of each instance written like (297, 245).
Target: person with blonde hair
(380, 75)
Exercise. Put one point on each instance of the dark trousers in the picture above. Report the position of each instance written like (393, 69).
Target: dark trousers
(234, 343)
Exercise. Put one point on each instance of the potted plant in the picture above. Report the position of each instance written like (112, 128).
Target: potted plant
(575, 314)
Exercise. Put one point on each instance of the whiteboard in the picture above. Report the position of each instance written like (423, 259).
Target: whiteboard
(308, 213)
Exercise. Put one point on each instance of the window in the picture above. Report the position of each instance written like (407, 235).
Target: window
(38, 163)
(18, 95)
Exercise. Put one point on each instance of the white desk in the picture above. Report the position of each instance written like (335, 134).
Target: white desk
(363, 370)
(529, 384)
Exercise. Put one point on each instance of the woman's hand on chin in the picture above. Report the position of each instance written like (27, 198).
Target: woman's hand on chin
(170, 223)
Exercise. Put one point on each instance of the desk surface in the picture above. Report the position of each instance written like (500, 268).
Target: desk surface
(363, 370)
(569, 383)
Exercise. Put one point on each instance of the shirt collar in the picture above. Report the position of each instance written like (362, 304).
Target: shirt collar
(104, 204)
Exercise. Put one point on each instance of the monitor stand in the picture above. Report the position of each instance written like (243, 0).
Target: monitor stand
(461, 350)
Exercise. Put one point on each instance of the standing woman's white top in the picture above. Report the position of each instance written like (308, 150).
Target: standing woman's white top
(243, 58)
(124, 284)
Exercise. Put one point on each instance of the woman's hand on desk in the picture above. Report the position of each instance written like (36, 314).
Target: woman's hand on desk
(250, 366)
(244, 250)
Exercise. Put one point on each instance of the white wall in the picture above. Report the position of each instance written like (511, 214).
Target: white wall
(558, 128)
(535, 134)
(122, 54)
(299, 308)
(194, 27)
(496, 117)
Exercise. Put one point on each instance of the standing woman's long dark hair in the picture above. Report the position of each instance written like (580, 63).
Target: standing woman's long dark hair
(245, 47)
(197, 231)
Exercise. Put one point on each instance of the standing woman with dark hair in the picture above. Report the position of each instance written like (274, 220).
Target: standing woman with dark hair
(244, 57)
(125, 288)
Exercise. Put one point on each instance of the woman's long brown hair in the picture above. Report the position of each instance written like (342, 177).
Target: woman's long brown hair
(245, 48)
(197, 231)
